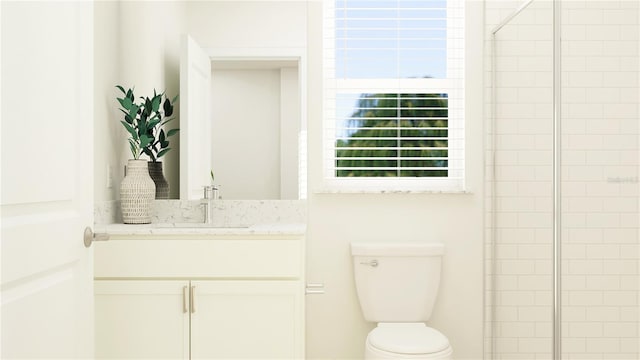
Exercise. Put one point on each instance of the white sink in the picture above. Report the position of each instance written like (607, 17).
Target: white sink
(200, 225)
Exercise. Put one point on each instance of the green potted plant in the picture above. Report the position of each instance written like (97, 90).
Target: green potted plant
(145, 123)
(137, 189)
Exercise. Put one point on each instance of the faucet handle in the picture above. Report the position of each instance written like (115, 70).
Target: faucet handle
(208, 192)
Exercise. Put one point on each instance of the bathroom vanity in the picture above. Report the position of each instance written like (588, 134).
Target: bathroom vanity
(191, 291)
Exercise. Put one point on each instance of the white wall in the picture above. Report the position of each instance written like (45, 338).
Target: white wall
(108, 137)
(136, 45)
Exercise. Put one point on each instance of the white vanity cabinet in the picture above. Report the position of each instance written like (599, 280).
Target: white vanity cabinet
(200, 296)
(137, 319)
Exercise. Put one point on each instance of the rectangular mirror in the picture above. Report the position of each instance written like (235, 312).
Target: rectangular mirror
(243, 119)
(255, 129)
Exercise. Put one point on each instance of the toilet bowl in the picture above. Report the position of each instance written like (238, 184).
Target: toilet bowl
(397, 285)
(406, 341)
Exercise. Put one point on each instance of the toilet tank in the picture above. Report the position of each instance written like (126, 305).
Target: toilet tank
(397, 282)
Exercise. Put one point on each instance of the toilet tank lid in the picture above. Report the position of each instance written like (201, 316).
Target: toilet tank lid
(396, 249)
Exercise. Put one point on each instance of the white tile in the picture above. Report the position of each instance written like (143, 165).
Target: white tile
(585, 329)
(618, 266)
(574, 345)
(603, 251)
(573, 313)
(585, 16)
(622, 298)
(603, 313)
(582, 235)
(602, 32)
(571, 32)
(534, 220)
(586, 267)
(533, 313)
(602, 95)
(585, 48)
(536, 251)
(603, 282)
(518, 329)
(585, 298)
(603, 345)
(622, 79)
(517, 298)
(621, 16)
(621, 236)
(620, 111)
(620, 204)
(517, 267)
(583, 204)
(533, 345)
(534, 282)
(621, 329)
(574, 282)
(583, 79)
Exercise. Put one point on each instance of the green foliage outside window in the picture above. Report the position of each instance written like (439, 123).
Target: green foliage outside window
(395, 135)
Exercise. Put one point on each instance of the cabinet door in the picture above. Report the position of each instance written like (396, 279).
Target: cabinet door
(141, 319)
(247, 319)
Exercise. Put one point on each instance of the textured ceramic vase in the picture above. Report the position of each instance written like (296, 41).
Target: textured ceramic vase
(157, 175)
(137, 192)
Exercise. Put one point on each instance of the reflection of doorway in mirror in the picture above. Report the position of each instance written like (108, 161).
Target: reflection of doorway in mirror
(256, 128)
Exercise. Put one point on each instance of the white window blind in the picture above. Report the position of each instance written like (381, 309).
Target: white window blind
(393, 94)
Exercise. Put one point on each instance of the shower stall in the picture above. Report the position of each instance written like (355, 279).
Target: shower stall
(562, 179)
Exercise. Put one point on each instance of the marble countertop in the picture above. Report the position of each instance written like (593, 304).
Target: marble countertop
(200, 229)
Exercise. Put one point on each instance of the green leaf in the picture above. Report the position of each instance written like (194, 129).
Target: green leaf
(125, 102)
(172, 132)
(131, 130)
(163, 152)
(161, 137)
(130, 95)
(173, 101)
(133, 111)
(166, 121)
(144, 141)
(152, 123)
(155, 103)
(168, 108)
(121, 89)
(134, 149)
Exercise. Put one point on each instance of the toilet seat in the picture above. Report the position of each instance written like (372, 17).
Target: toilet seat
(410, 340)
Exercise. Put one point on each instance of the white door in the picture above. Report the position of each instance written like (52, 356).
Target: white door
(195, 122)
(47, 179)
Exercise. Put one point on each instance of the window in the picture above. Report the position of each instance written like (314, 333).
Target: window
(393, 95)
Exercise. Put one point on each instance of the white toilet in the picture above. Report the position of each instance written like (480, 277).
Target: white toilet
(397, 285)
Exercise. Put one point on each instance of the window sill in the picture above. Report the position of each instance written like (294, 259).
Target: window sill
(334, 190)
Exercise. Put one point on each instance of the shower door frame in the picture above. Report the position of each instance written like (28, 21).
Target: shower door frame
(556, 165)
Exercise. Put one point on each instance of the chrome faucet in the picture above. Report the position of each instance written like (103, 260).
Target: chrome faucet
(211, 192)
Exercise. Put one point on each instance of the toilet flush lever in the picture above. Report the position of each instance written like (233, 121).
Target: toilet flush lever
(372, 263)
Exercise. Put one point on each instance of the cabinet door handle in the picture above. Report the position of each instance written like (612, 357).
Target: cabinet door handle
(193, 299)
(185, 301)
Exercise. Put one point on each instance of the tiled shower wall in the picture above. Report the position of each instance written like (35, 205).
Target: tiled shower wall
(600, 148)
